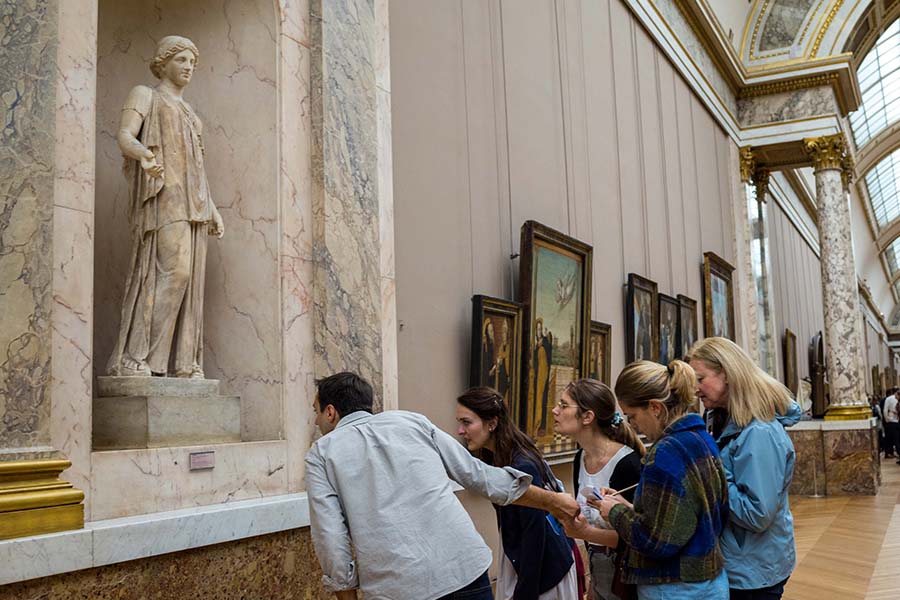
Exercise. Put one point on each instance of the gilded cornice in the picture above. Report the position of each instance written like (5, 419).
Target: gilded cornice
(788, 85)
(826, 152)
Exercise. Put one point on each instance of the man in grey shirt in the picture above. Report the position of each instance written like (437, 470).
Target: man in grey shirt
(380, 484)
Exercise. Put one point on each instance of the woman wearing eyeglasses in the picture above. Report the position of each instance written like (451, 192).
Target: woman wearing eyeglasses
(610, 457)
(672, 529)
(536, 556)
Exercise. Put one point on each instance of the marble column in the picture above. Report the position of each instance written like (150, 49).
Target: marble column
(747, 293)
(33, 499)
(351, 193)
(843, 345)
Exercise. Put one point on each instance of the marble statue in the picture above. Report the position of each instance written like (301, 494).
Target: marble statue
(171, 214)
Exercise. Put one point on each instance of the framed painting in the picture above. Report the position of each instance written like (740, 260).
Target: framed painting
(600, 352)
(496, 346)
(555, 291)
(669, 342)
(641, 319)
(687, 324)
(791, 376)
(718, 297)
(877, 390)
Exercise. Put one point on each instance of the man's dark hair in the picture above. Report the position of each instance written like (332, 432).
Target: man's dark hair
(346, 392)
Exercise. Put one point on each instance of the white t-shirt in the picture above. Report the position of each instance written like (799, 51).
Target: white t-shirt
(891, 414)
(599, 480)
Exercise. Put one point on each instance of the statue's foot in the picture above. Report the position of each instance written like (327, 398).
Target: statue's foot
(134, 368)
(195, 373)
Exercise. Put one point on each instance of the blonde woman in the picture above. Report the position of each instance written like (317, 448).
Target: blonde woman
(758, 456)
(681, 504)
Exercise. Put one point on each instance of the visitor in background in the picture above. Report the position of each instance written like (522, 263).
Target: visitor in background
(879, 421)
(536, 560)
(672, 530)
(383, 514)
(892, 424)
(609, 457)
(758, 456)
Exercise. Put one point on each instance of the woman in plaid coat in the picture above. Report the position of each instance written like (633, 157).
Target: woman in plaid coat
(681, 503)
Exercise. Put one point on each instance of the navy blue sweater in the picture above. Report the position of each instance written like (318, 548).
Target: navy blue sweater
(540, 556)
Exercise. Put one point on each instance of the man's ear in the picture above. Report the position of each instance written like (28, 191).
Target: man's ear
(331, 413)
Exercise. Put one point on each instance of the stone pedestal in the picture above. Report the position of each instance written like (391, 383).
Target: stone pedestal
(835, 458)
(156, 412)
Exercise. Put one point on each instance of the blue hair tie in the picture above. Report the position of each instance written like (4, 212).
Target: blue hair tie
(616, 419)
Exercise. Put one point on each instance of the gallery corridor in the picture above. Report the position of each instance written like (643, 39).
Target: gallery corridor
(847, 547)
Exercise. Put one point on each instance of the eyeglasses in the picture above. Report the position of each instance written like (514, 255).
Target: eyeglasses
(563, 405)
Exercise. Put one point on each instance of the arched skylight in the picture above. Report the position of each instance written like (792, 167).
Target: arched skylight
(879, 81)
(882, 184)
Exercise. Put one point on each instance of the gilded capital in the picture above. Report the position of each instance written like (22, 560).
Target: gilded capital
(748, 163)
(761, 178)
(826, 152)
(847, 171)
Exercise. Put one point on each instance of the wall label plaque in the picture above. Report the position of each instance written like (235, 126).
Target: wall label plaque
(199, 461)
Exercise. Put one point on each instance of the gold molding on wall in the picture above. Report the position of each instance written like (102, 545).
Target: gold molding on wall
(34, 500)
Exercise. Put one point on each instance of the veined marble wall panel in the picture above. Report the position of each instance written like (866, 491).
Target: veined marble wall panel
(73, 240)
(27, 108)
(158, 479)
(797, 287)
(787, 106)
(346, 210)
(236, 71)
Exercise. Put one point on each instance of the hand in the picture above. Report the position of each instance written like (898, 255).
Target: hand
(565, 508)
(217, 227)
(576, 528)
(151, 167)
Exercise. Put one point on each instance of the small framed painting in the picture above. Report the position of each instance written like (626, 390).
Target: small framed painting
(718, 297)
(600, 352)
(496, 346)
(641, 319)
(791, 377)
(687, 324)
(669, 344)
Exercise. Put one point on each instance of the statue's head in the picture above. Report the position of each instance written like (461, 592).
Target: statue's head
(168, 47)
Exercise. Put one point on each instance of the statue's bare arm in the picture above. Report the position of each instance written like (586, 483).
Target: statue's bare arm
(137, 105)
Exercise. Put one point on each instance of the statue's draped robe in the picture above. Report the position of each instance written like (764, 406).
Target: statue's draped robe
(162, 313)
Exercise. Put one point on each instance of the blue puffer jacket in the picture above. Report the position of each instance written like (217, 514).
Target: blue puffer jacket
(758, 540)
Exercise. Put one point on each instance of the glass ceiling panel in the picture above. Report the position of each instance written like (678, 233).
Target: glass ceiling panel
(879, 81)
(882, 185)
(892, 253)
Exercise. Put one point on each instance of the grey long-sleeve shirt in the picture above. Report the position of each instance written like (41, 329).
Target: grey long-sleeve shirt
(381, 484)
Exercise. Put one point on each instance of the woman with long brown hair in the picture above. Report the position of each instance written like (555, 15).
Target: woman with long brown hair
(609, 457)
(536, 556)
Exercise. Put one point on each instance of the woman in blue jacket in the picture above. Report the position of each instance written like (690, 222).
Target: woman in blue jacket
(536, 562)
(758, 456)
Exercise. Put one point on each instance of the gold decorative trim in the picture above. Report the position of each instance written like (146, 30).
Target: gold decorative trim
(762, 183)
(827, 151)
(824, 29)
(789, 85)
(860, 412)
(847, 170)
(34, 500)
(748, 163)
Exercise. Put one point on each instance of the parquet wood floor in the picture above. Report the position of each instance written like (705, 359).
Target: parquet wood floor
(848, 547)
